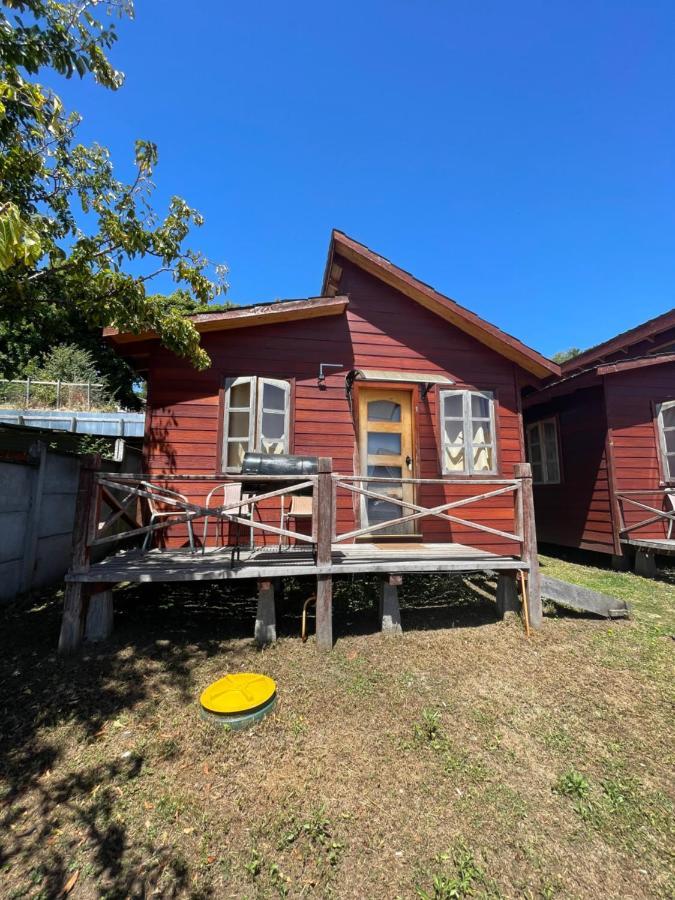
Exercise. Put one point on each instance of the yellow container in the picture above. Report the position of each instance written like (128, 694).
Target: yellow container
(240, 694)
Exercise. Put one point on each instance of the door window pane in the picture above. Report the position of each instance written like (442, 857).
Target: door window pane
(390, 488)
(381, 511)
(382, 443)
(384, 411)
(384, 471)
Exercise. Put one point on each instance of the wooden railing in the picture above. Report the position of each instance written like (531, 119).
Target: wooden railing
(134, 497)
(107, 500)
(440, 511)
(117, 509)
(666, 514)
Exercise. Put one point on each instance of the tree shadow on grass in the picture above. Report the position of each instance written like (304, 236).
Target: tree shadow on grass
(52, 709)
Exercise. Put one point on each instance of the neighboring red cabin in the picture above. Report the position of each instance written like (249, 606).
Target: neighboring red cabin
(601, 441)
(381, 373)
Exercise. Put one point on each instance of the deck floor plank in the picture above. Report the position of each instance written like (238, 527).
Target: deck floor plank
(182, 565)
(658, 545)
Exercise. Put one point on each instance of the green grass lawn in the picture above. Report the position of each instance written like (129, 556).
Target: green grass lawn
(460, 760)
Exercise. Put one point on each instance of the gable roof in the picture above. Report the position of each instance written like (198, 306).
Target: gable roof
(505, 344)
(643, 332)
(246, 316)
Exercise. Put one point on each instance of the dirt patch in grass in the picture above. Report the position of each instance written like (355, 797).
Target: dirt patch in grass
(458, 760)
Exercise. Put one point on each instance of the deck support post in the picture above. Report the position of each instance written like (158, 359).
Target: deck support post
(389, 611)
(523, 471)
(621, 562)
(645, 563)
(508, 600)
(266, 619)
(323, 525)
(72, 618)
(85, 524)
(99, 623)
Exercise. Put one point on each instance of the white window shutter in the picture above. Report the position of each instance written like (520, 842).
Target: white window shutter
(238, 421)
(273, 415)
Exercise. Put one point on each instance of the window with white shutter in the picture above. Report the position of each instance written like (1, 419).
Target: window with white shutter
(256, 417)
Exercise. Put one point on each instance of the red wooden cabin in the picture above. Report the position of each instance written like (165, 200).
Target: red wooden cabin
(601, 441)
(381, 376)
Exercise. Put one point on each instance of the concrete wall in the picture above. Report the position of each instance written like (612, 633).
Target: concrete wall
(37, 508)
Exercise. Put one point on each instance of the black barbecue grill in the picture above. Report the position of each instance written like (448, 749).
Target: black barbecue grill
(277, 464)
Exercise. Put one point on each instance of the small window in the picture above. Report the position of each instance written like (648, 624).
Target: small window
(256, 418)
(542, 451)
(666, 426)
(467, 421)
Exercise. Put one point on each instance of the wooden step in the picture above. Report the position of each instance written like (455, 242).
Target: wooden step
(574, 596)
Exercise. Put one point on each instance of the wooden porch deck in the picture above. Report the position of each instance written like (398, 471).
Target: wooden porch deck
(655, 545)
(143, 506)
(184, 565)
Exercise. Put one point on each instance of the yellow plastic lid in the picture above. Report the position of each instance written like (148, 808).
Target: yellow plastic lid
(238, 693)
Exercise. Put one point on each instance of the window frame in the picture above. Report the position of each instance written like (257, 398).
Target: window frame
(667, 473)
(466, 394)
(539, 427)
(255, 412)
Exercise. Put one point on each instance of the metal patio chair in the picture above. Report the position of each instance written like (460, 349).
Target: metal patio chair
(231, 493)
(300, 508)
(160, 511)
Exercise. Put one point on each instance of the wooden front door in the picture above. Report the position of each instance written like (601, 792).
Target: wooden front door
(386, 450)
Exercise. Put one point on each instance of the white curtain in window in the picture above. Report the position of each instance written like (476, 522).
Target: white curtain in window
(467, 429)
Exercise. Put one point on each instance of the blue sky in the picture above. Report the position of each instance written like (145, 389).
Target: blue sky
(517, 156)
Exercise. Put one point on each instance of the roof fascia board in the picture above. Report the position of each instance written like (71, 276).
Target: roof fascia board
(464, 319)
(629, 365)
(644, 332)
(247, 317)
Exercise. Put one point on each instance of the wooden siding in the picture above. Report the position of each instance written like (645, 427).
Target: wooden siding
(382, 329)
(578, 511)
(631, 399)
